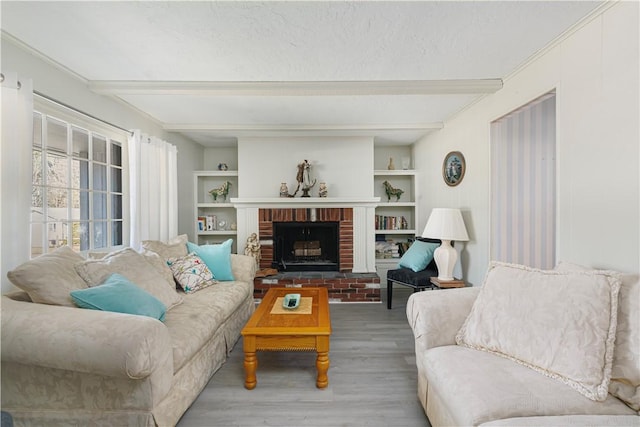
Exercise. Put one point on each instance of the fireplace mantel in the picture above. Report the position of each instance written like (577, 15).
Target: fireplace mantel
(307, 202)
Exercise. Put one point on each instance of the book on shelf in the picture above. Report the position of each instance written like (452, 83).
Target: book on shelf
(207, 223)
(387, 249)
(385, 222)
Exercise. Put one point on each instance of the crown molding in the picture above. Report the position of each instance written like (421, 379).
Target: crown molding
(297, 88)
(595, 13)
(41, 56)
(208, 127)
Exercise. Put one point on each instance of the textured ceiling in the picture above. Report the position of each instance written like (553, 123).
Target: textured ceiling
(119, 48)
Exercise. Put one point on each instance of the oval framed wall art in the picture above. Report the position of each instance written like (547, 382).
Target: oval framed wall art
(453, 168)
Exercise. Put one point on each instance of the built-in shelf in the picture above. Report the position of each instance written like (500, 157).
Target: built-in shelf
(222, 211)
(215, 205)
(401, 172)
(218, 233)
(410, 232)
(392, 211)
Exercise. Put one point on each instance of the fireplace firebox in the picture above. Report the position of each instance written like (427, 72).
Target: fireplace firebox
(306, 246)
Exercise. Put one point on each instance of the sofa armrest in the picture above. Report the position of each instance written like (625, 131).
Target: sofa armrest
(243, 267)
(436, 316)
(88, 341)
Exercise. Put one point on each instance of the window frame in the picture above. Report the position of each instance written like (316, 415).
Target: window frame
(76, 122)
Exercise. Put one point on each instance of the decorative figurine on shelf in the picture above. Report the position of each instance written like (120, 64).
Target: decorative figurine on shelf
(304, 178)
(391, 166)
(323, 191)
(223, 190)
(404, 224)
(253, 248)
(222, 166)
(388, 188)
(284, 190)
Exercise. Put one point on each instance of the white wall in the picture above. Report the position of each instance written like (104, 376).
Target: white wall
(595, 72)
(190, 158)
(344, 163)
(214, 156)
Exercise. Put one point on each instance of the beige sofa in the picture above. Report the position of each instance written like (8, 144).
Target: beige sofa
(530, 348)
(63, 365)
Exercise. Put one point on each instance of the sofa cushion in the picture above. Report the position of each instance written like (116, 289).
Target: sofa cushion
(119, 295)
(478, 387)
(49, 278)
(174, 248)
(625, 371)
(561, 324)
(134, 267)
(217, 258)
(191, 273)
(161, 267)
(158, 253)
(568, 420)
(194, 322)
(151, 257)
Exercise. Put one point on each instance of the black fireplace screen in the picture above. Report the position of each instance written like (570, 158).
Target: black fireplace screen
(305, 246)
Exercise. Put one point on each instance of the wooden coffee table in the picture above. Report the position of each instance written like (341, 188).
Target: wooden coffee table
(272, 328)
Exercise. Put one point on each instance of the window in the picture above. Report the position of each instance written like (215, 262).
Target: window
(78, 186)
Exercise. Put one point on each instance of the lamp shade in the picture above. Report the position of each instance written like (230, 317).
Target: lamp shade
(446, 224)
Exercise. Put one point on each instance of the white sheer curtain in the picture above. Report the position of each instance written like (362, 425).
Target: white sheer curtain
(15, 178)
(153, 182)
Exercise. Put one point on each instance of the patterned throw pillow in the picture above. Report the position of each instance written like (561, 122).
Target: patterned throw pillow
(191, 273)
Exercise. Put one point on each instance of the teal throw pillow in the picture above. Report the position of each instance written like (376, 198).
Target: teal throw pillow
(118, 294)
(418, 256)
(217, 258)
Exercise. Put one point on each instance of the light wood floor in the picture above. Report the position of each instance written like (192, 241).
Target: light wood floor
(372, 378)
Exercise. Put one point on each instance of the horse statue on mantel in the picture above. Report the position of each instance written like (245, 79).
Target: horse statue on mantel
(223, 191)
(391, 191)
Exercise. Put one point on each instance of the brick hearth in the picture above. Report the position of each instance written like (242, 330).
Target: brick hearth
(342, 287)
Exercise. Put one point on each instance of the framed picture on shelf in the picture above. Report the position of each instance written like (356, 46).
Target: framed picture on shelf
(211, 223)
(201, 224)
(453, 168)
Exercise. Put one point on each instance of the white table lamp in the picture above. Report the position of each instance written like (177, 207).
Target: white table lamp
(445, 225)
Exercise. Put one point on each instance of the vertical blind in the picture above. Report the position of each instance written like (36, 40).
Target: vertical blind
(523, 184)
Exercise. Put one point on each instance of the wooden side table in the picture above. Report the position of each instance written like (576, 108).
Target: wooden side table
(442, 284)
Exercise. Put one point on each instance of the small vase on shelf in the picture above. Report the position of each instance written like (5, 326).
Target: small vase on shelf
(391, 165)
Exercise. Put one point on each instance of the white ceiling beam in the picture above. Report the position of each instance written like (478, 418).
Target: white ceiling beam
(298, 88)
(208, 127)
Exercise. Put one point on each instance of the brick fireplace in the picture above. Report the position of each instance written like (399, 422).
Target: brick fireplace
(343, 285)
(354, 280)
(343, 216)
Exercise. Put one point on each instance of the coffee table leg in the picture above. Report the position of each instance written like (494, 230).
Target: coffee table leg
(250, 362)
(250, 365)
(322, 361)
(322, 365)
